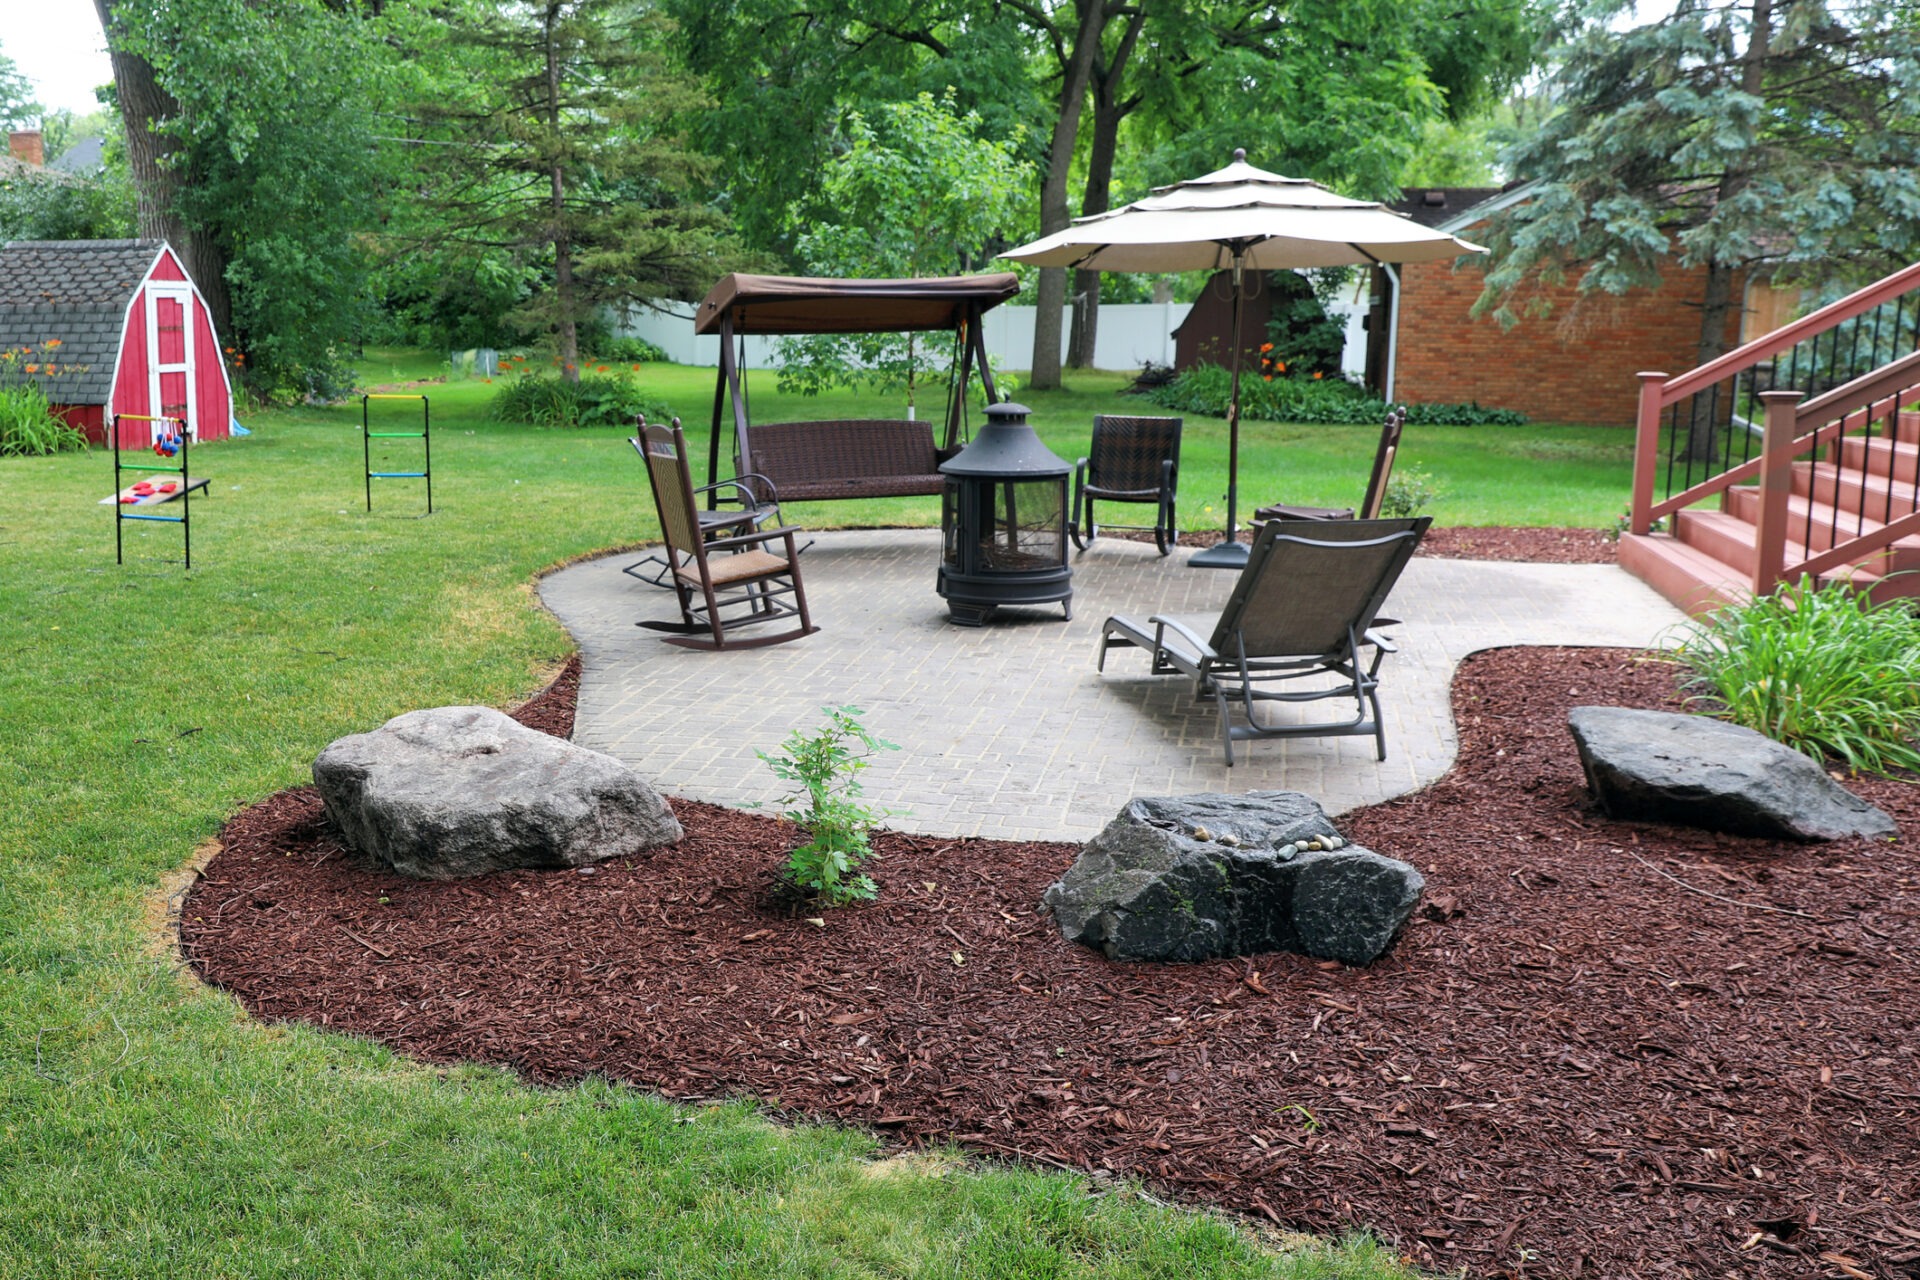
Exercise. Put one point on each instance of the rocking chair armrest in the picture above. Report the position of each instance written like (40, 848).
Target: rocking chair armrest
(1200, 645)
(738, 483)
(750, 539)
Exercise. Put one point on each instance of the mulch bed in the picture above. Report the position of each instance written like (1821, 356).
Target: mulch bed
(1596, 1050)
(1466, 542)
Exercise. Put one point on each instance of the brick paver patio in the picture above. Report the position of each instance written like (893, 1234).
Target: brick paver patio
(1007, 730)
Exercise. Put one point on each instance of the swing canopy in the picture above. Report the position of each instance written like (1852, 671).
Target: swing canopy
(864, 458)
(800, 304)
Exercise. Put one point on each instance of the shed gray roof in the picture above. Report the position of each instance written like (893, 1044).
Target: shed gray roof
(76, 291)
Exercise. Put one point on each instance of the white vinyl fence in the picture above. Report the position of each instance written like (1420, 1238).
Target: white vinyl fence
(1131, 334)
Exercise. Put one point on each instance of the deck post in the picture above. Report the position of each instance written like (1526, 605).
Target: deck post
(1776, 486)
(1646, 451)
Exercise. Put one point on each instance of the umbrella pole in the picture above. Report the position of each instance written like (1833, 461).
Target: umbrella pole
(1231, 554)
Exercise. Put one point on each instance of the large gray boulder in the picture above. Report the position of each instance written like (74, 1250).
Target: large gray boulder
(461, 791)
(1202, 876)
(1696, 771)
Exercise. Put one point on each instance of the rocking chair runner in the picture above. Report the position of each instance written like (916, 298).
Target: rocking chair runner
(752, 585)
(1376, 481)
(1131, 460)
(1302, 610)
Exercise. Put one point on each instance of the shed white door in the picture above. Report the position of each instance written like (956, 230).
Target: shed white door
(170, 356)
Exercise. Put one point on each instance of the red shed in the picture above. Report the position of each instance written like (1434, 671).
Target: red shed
(135, 336)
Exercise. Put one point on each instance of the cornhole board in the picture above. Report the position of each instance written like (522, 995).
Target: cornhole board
(154, 499)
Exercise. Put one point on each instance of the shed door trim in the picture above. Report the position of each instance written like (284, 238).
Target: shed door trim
(178, 291)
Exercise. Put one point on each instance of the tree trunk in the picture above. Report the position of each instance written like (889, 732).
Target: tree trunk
(1054, 214)
(1706, 417)
(158, 178)
(566, 330)
(1108, 112)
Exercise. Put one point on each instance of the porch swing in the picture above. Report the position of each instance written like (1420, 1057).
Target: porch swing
(785, 462)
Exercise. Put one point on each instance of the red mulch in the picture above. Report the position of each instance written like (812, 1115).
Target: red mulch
(1568, 1053)
(1465, 542)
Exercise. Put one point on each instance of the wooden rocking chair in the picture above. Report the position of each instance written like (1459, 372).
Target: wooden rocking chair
(758, 580)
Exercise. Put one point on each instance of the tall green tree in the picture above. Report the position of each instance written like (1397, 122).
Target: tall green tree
(17, 107)
(1773, 135)
(918, 192)
(559, 140)
(250, 135)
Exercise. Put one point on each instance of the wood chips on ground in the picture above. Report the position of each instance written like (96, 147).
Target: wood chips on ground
(1599, 1049)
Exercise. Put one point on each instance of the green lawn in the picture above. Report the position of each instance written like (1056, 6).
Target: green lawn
(148, 1128)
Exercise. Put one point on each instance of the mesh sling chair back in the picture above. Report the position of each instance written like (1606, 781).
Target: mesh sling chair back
(1292, 630)
(756, 581)
(1131, 460)
(1383, 455)
(739, 507)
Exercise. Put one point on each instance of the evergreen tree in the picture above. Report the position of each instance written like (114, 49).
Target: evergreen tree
(552, 134)
(1770, 135)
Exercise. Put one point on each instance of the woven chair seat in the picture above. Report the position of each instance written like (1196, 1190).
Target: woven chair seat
(743, 567)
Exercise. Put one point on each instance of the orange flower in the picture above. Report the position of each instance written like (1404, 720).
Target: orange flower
(636, 368)
(33, 368)
(1280, 366)
(1267, 376)
(53, 342)
(599, 368)
(1266, 346)
(228, 350)
(1318, 375)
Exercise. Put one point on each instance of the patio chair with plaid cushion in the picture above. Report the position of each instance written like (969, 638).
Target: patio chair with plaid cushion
(1132, 460)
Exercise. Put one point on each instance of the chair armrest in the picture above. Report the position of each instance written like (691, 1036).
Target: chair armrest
(750, 539)
(1164, 622)
(1379, 642)
(738, 483)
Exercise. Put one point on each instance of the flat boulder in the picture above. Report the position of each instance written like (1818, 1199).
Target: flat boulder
(1695, 771)
(1203, 876)
(462, 791)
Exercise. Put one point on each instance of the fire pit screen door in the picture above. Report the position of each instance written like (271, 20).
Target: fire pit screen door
(1004, 522)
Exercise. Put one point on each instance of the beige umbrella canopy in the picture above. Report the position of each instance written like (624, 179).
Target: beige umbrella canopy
(1240, 217)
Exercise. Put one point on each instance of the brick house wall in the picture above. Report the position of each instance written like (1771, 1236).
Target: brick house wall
(1577, 364)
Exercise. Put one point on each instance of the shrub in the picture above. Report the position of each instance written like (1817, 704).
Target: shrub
(826, 765)
(597, 400)
(1410, 490)
(1819, 668)
(631, 351)
(1204, 389)
(30, 428)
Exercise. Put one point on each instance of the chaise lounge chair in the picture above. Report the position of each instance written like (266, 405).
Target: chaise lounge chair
(1301, 611)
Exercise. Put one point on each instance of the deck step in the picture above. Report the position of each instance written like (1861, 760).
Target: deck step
(1880, 498)
(1691, 579)
(1818, 524)
(1734, 542)
(1880, 456)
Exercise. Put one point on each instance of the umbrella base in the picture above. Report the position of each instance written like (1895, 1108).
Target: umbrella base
(1228, 555)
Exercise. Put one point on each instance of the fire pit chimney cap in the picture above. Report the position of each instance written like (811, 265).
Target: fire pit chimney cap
(1007, 448)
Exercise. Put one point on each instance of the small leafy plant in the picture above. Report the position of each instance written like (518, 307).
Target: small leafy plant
(1819, 668)
(825, 766)
(1409, 492)
(28, 425)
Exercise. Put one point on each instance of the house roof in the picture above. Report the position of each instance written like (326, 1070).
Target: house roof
(1433, 206)
(86, 156)
(77, 291)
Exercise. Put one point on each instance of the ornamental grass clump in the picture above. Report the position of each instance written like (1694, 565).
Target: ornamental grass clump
(826, 765)
(1819, 668)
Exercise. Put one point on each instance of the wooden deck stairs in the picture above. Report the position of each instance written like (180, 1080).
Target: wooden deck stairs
(1796, 454)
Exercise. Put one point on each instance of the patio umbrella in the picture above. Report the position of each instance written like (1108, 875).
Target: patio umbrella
(1240, 217)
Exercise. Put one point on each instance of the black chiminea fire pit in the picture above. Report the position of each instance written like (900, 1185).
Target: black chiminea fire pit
(1003, 519)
